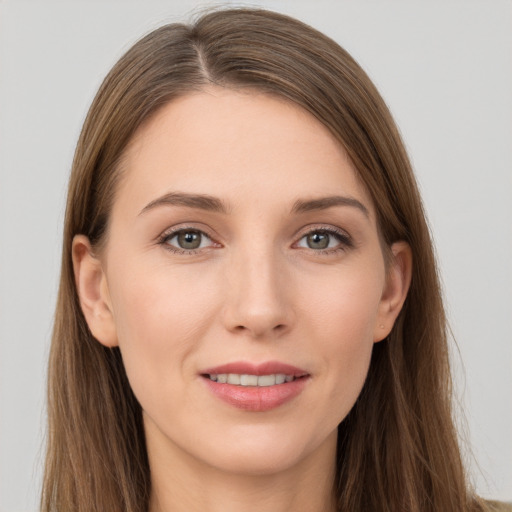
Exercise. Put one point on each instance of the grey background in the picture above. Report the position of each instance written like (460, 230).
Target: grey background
(445, 68)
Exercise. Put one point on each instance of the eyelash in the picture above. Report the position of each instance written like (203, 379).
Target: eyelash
(345, 241)
(169, 235)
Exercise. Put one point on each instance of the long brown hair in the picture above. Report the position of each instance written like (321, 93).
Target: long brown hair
(397, 449)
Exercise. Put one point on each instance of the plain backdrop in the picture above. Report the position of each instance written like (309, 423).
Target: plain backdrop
(445, 69)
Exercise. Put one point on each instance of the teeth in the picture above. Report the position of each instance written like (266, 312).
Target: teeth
(266, 380)
(251, 380)
(233, 378)
(248, 380)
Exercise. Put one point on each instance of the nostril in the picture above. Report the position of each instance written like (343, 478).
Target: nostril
(256, 331)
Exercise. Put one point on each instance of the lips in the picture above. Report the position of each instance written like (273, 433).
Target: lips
(253, 387)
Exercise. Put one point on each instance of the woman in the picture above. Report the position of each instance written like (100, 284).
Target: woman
(249, 313)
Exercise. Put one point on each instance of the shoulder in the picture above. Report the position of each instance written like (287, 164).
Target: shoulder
(498, 506)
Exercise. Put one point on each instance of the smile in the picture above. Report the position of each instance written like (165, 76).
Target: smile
(256, 387)
(251, 380)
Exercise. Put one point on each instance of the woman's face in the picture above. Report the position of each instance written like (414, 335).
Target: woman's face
(241, 248)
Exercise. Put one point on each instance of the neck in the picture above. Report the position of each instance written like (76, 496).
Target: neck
(181, 483)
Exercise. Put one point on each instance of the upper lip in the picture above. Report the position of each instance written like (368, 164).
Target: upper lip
(247, 368)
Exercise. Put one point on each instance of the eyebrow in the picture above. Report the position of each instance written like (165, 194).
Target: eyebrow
(214, 204)
(200, 201)
(323, 203)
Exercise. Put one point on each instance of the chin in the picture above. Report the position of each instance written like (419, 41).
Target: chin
(253, 452)
(266, 461)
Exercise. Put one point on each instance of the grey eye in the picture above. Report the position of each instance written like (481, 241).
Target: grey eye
(188, 239)
(318, 240)
(323, 239)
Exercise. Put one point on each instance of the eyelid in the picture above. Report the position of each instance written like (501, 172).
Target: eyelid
(345, 240)
(187, 226)
(171, 232)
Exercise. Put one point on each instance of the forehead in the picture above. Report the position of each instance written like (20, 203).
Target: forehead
(237, 146)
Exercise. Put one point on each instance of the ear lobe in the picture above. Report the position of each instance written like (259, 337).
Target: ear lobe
(398, 280)
(92, 289)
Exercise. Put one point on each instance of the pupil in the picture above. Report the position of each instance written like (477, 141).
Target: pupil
(318, 240)
(189, 240)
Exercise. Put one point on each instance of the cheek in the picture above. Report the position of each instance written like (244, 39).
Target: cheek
(160, 303)
(160, 315)
(342, 323)
(345, 305)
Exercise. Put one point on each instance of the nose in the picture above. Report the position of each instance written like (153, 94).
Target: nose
(257, 303)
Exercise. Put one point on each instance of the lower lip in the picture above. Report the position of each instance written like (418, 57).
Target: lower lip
(257, 398)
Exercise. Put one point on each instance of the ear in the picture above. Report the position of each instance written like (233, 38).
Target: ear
(397, 284)
(92, 289)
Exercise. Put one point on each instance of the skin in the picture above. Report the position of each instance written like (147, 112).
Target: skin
(255, 291)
